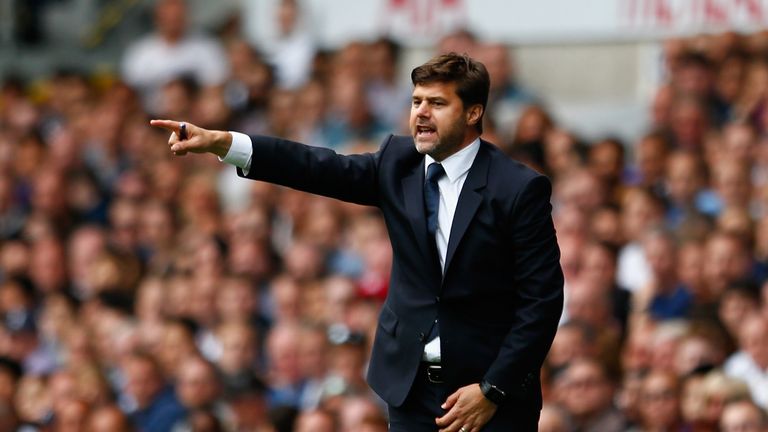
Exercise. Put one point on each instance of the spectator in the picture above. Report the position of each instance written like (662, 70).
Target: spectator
(726, 260)
(316, 421)
(660, 406)
(507, 98)
(292, 48)
(172, 52)
(385, 93)
(738, 302)
(585, 391)
(651, 155)
(751, 361)
(664, 297)
(151, 403)
(717, 390)
(108, 418)
(743, 416)
(553, 419)
(198, 388)
(703, 346)
(237, 361)
(641, 210)
(286, 383)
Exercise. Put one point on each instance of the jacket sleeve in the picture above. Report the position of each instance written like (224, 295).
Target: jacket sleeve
(538, 291)
(316, 170)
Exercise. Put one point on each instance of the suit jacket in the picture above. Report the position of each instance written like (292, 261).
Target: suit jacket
(500, 297)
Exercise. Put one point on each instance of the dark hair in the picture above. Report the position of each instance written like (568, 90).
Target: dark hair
(470, 76)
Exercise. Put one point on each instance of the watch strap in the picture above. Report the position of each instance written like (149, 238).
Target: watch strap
(492, 393)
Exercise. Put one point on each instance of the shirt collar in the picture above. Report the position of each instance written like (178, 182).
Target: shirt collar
(457, 164)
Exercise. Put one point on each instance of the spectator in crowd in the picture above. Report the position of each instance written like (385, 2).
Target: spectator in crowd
(751, 361)
(284, 375)
(151, 403)
(152, 62)
(508, 97)
(743, 416)
(316, 421)
(641, 210)
(292, 49)
(384, 92)
(553, 419)
(585, 391)
(237, 360)
(651, 155)
(108, 418)
(660, 402)
(198, 389)
(664, 296)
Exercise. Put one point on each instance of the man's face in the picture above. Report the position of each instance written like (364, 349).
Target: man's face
(142, 381)
(439, 121)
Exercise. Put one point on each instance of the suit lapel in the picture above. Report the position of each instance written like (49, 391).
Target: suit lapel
(413, 191)
(469, 200)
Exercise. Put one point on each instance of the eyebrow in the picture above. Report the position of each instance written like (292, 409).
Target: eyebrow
(431, 98)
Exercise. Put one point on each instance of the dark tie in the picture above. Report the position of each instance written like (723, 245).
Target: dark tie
(432, 196)
(432, 202)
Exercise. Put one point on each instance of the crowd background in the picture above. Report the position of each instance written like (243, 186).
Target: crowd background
(145, 292)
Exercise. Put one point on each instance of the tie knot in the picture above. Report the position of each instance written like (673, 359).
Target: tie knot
(434, 172)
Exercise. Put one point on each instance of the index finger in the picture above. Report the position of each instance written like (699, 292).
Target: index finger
(170, 125)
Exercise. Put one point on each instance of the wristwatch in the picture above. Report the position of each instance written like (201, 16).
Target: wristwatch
(492, 393)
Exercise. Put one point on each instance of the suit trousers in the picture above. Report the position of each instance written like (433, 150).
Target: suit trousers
(422, 407)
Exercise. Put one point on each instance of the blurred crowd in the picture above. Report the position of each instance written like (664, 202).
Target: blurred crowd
(145, 292)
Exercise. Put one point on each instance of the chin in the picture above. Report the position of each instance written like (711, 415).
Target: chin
(425, 147)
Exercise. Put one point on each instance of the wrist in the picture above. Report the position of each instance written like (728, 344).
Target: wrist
(222, 141)
(492, 393)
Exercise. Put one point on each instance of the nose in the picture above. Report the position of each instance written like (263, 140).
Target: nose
(422, 109)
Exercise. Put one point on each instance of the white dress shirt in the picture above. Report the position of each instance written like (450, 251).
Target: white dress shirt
(456, 168)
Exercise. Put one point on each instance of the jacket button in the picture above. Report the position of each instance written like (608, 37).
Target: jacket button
(422, 337)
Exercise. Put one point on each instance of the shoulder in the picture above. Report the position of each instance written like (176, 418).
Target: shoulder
(508, 174)
(737, 362)
(400, 142)
(202, 41)
(399, 147)
(146, 45)
(397, 156)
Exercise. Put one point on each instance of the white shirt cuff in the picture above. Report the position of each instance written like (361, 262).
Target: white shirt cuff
(240, 152)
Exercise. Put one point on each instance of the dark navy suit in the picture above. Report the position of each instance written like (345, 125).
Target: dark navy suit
(500, 297)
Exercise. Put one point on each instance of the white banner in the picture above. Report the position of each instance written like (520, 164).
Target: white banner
(422, 22)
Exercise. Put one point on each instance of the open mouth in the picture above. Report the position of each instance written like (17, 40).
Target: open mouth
(425, 131)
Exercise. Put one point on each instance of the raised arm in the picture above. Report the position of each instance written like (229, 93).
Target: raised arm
(316, 170)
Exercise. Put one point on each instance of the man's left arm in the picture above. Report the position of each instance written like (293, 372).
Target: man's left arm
(538, 305)
(538, 286)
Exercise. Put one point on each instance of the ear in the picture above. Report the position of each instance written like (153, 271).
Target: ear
(474, 113)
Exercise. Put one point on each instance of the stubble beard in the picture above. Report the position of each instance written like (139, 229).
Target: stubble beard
(444, 145)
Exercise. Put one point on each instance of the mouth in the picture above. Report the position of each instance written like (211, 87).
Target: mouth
(425, 131)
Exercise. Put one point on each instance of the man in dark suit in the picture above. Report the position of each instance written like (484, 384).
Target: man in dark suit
(476, 286)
